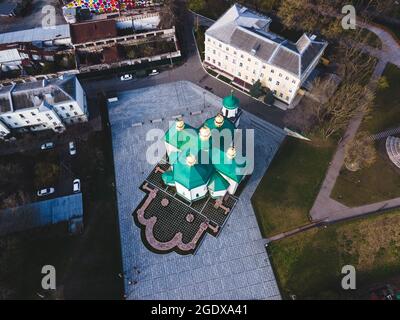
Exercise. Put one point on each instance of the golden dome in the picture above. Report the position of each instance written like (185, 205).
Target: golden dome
(190, 160)
(219, 120)
(231, 152)
(205, 133)
(180, 124)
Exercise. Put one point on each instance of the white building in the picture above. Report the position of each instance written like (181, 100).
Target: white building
(240, 46)
(41, 105)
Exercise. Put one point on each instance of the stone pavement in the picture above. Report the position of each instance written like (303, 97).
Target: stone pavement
(234, 265)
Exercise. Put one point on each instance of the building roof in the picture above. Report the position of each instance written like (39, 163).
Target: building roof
(38, 93)
(42, 213)
(36, 34)
(93, 31)
(230, 102)
(211, 155)
(218, 183)
(248, 31)
(7, 7)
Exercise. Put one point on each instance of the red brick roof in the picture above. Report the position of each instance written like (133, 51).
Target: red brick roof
(93, 31)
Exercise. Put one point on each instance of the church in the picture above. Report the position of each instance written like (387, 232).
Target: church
(204, 160)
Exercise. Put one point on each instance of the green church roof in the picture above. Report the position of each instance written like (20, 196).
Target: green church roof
(230, 102)
(192, 176)
(178, 138)
(229, 167)
(218, 183)
(168, 178)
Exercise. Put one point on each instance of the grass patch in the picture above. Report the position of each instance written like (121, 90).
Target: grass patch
(287, 192)
(355, 189)
(309, 264)
(386, 109)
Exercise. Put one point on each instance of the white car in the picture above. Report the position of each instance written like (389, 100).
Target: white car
(47, 145)
(126, 77)
(45, 192)
(153, 72)
(76, 185)
(72, 149)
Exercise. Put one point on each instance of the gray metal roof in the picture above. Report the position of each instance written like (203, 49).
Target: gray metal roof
(248, 31)
(34, 94)
(36, 34)
(42, 213)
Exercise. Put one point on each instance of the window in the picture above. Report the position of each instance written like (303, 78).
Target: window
(287, 78)
(293, 81)
(9, 117)
(67, 114)
(75, 113)
(281, 95)
(261, 75)
(287, 98)
(240, 64)
(15, 123)
(62, 108)
(248, 59)
(269, 79)
(214, 61)
(277, 83)
(220, 45)
(275, 92)
(54, 123)
(27, 122)
(32, 113)
(239, 74)
(226, 57)
(241, 56)
(254, 71)
(234, 61)
(234, 52)
(227, 48)
(264, 66)
(22, 116)
(280, 74)
(38, 120)
(272, 71)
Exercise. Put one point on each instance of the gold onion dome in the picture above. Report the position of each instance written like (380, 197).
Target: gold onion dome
(205, 133)
(190, 160)
(231, 152)
(180, 124)
(219, 120)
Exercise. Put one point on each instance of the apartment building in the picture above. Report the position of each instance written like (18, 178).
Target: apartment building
(240, 46)
(47, 104)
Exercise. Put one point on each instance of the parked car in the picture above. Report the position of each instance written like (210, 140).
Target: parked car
(72, 149)
(154, 72)
(126, 77)
(47, 145)
(76, 185)
(45, 192)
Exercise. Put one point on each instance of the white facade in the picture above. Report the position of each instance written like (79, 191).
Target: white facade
(240, 44)
(192, 194)
(43, 105)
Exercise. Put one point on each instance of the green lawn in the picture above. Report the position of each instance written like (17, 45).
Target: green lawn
(309, 264)
(386, 109)
(377, 183)
(287, 192)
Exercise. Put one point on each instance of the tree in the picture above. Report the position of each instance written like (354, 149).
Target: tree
(256, 89)
(383, 83)
(268, 97)
(349, 100)
(360, 152)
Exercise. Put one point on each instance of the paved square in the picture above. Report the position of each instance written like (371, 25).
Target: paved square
(233, 265)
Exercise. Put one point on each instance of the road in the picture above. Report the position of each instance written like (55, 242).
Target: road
(190, 70)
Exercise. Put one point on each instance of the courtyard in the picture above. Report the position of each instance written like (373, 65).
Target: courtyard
(233, 264)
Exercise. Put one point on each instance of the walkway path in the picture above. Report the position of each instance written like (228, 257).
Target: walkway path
(324, 207)
(385, 134)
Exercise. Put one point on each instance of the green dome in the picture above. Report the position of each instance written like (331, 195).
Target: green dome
(230, 102)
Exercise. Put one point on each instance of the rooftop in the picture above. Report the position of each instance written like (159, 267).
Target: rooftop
(36, 34)
(41, 213)
(93, 31)
(35, 94)
(247, 30)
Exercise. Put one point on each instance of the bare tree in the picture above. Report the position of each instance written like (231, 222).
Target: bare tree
(360, 152)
